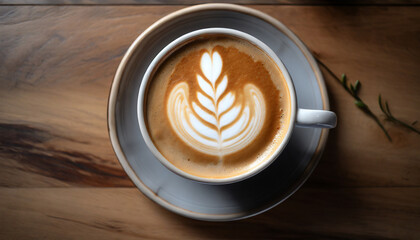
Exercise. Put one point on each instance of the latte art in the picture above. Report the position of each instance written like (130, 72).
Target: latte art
(221, 122)
(217, 107)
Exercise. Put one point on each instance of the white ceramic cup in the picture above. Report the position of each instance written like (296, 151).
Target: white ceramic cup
(298, 117)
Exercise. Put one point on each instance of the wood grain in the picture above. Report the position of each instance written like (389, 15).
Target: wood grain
(58, 62)
(111, 213)
(58, 170)
(191, 2)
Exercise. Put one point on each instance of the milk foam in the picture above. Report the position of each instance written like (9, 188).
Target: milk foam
(219, 122)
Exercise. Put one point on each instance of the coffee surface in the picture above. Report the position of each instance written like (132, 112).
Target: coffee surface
(217, 107)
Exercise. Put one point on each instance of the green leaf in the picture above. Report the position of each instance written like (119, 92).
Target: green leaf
(380, 105)
(352, 89)
(357, 86)
(344, 80)
(343, 77)
(387, 108)
(360, 104)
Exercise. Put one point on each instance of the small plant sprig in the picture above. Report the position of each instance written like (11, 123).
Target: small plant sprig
(390, 117)
(353, 90)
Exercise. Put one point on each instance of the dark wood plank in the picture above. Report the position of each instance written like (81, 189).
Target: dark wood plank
(315, 213)
(57, 64)
(191, 2)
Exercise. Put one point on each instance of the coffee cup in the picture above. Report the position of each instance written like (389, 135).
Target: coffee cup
(218, 106)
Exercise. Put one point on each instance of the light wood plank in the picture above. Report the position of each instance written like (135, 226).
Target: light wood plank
(57, 64)
(55, 79)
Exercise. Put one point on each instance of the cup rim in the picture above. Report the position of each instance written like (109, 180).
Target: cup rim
(166, 52)
(127, 165)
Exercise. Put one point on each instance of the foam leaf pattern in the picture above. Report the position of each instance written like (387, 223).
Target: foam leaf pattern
(221, 122)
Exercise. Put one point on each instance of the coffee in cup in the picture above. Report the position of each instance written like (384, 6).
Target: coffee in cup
(217, 105)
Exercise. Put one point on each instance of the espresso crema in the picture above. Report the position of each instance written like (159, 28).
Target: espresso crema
(217, 107)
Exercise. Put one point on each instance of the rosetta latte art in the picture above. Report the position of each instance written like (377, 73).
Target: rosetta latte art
(220, 122)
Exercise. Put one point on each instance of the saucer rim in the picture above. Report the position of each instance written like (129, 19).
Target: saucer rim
(112, 130)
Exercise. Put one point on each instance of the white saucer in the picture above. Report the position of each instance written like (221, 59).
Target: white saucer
(216, 202)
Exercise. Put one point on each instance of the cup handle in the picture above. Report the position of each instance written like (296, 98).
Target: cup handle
(310, 118)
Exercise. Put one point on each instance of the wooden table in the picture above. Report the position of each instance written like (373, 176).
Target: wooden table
(60, 179)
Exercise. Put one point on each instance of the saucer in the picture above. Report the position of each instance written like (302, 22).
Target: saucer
(216, 202)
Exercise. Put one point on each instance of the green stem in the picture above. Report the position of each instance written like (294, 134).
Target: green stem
(404, 124)
(391, 118)
(380, 125)
(364, 107)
